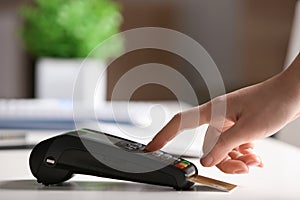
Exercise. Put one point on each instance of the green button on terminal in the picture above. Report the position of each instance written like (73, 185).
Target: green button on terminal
(186, 162)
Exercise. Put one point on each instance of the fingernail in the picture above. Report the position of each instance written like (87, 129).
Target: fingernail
(207, 161)
(150, 147)
(252, 163)
(240, 171)
(147, 148)
(248, 151)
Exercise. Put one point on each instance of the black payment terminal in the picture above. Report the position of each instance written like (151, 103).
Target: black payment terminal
(90, 152)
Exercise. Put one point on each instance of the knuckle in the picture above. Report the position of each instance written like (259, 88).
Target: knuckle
(177, 117)
(222, 142)
(219, 99)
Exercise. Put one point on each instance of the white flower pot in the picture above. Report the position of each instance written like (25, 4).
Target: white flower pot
(55, 78)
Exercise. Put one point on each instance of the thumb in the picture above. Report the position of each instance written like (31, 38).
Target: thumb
(226, 142)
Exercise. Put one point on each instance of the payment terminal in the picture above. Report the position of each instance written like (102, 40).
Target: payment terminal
(90, 152)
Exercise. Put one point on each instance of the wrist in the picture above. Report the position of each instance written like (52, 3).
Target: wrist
(291, 76)
(288, 85)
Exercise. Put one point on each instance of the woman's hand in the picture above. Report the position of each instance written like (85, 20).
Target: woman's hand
(252, 113)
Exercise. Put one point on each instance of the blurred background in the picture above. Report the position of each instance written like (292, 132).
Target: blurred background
(247, 39)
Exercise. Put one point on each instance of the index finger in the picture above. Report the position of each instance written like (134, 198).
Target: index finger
(185, 120)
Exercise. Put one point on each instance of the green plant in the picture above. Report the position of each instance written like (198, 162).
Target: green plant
(70, 28)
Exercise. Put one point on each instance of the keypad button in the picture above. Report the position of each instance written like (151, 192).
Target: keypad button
(166, 156)
(186, 162)
(131, 146)
(157, 153)
(138, 145)
(179, 166)
(183, 164)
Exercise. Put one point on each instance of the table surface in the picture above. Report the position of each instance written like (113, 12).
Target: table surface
(277, 180)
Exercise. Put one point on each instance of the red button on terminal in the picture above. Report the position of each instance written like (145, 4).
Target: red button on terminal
(181, 165)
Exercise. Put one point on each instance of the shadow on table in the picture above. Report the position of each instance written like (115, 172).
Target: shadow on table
(94, 186)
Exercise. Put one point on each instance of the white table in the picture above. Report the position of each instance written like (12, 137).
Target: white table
(279, 179)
